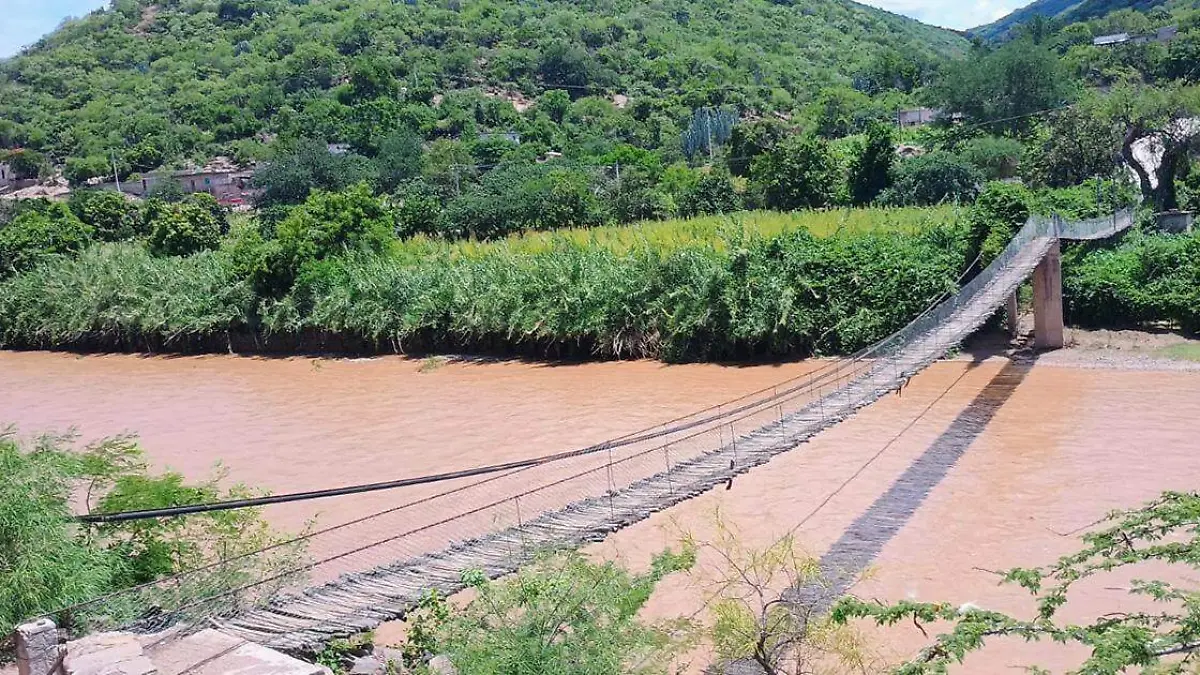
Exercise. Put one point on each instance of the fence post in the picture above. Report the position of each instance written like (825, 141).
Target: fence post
(38, 651)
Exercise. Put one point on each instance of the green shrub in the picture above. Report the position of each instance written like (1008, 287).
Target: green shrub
(113, 217)
(48, 562)
(797, 174)
(997, 157)
(932, 178)
(1147, 278)
(679, 299)
(114, 294)
(39, 230)
(181, 228)
(328, 224)
(636, 197)
(871, 164)
(711, 194)
(1094, 198)
(514, 198)
(1000, 210)
(563, 615)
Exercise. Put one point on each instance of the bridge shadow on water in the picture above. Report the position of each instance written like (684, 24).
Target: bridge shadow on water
(865, 538)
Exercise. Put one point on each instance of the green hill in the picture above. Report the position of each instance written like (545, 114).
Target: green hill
(1061, 11)
(175, 79)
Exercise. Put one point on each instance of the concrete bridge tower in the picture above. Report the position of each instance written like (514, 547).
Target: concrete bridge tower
(1047, 301)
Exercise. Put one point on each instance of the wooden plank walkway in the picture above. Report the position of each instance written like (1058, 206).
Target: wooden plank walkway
(361, 601)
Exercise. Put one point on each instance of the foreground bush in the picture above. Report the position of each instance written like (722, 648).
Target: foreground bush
(47, 561)
(1146, 279)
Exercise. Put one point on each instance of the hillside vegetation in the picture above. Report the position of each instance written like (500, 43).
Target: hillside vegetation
(160, 81)
(1064, 12)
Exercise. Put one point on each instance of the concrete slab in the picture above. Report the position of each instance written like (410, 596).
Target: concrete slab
(211, 652)
(107, 654)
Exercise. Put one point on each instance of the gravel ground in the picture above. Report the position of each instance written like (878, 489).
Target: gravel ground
(1107, 349)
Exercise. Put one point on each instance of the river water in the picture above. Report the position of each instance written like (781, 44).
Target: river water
(1034, 452)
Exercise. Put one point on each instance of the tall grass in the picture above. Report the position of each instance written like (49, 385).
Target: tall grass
(707, 288)
(665, 236)
(119, 294)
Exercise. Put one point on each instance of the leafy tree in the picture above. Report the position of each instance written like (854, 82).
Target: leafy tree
(48, 562)
(308, 167)
(932, 178)
(555, 103)
(564, 614)
(1000, 210)
(418, 209)
(749, 140)
(329, 224)
(167, 190)
(840, 112)
(871, 164)
(567, 64)
(181, 228)
(1160, 536)
(712, 193)
(754, 623)
(513, 198)
(1005, 88)
(797, 174)
(39, 230)
(26, 163)
(144, 156)
(78, 170)
(997, 157)
(635, 196)
(110, 214)
(892, 69)
(1074, 145)
(399, 160)
(1162, 118)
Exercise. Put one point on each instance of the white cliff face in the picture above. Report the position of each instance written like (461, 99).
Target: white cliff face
(1148, 151)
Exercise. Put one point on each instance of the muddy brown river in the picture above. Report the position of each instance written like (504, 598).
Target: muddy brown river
(1035, 451)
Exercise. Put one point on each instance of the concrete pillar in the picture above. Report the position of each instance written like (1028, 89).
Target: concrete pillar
(38, 651)
(1013, 319)
(1047, 301)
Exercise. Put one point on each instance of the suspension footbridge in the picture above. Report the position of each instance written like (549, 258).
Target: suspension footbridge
(348, 578)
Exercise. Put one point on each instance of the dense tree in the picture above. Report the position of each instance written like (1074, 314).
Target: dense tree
(200, 79)
(871, 164)
(933, 178)
(39, 230)
(113, 216)
(1074, 145)
(1162, 122)
(1005, 89)
(399, 160)
(309, 166)
(797, 174)
(329, 224)
(750, 139)
(181, 228)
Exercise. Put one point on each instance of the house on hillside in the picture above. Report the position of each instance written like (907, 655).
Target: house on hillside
(1164, 34)
(510, 136)
(6, 177)
(220, 177)
(917, 117)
